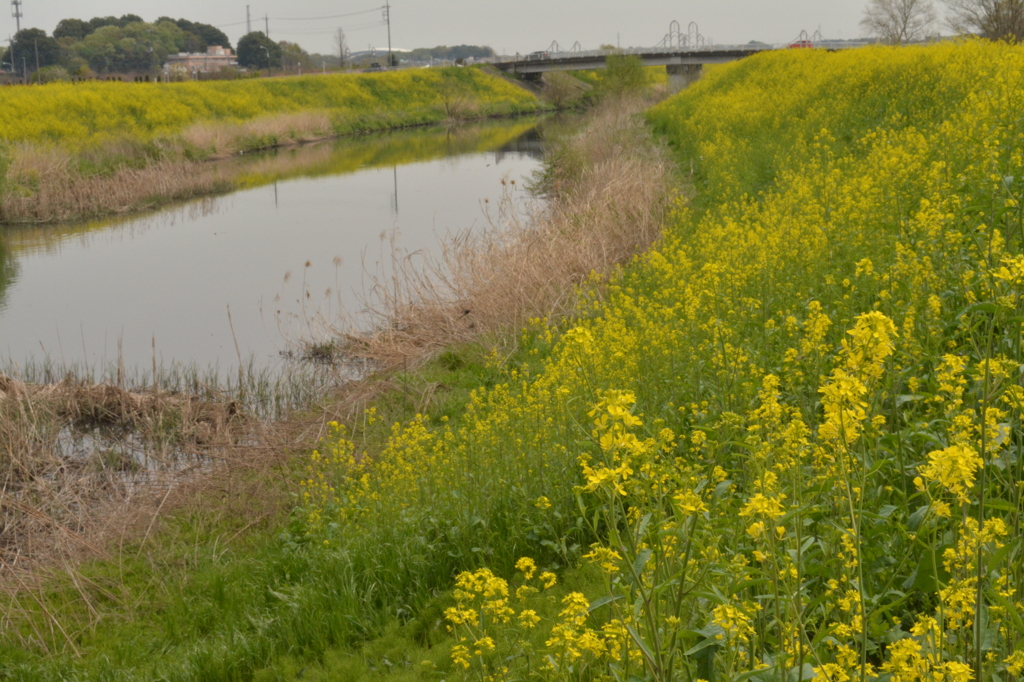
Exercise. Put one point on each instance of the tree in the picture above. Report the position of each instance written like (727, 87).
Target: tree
(138, 47)
(898, 22)
(97, 23)
(207, 34)
(257, 51)
(624, 74)
(193, 43)
(294, 58)
(341, 46)
(71, 28)
(994, 19)
(26, 44)
(561, 88)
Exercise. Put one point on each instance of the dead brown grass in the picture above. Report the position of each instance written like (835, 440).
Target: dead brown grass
(46, 185)
(607, 204)
(72, 455)
(225, 138)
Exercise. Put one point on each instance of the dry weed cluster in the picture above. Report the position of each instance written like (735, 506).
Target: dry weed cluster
(74, 456)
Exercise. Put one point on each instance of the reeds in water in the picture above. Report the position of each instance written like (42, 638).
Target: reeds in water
(84, 452)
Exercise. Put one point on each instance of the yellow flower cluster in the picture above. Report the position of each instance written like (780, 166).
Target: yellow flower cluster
(484, 618)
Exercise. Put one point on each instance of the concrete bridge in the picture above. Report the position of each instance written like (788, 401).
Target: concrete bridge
(684, 64)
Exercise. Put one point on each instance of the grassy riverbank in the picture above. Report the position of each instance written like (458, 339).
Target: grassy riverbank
(218, 532)
(784, 443)
(73, 151)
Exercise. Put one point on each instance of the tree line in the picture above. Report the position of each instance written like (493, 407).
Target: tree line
(125, 44)
(903, 21)
(128, 44)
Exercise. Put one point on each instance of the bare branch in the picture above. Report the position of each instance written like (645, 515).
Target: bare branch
(341, 46)
(898, 22)
(994, 19)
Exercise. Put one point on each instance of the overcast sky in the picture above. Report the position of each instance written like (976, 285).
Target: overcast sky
(512, 25)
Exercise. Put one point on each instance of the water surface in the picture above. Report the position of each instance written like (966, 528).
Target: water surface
(249, 273)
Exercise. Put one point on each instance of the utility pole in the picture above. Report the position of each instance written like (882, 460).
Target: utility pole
(266, 24)
(248, 21)
(14, 57)
(387, 17)
(36, 43)
(16, 12)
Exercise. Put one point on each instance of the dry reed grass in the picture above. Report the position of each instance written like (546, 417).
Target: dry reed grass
(74, 456)
(46, 185)
(226, 138)
(608, 203)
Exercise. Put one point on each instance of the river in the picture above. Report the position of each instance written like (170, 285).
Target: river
(248, 274)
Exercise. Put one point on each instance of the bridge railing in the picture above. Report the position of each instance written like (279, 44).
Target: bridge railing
(640, 51)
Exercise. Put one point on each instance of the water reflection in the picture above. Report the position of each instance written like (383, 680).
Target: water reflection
(530, 143)
(299, 236)
(8, 270)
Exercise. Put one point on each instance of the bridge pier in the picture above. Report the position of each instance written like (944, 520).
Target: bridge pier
(682, 76)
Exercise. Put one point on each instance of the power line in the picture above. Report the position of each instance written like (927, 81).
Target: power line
(356, 27)
(323, 32)
(333, 16)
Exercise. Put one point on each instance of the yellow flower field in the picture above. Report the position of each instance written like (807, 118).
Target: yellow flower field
(83, 114)
(789, 437)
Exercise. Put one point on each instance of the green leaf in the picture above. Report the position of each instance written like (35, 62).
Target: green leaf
(1000, 554)
(710, 635)
(640, 643)
(721, 489)
(887, 510)
(982, 307)
(643, 526)
(601, 601)
(914, 522)
(706, 662)
(641, 560)
(928, 576)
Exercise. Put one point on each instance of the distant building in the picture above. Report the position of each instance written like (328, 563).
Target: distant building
(214, 59)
